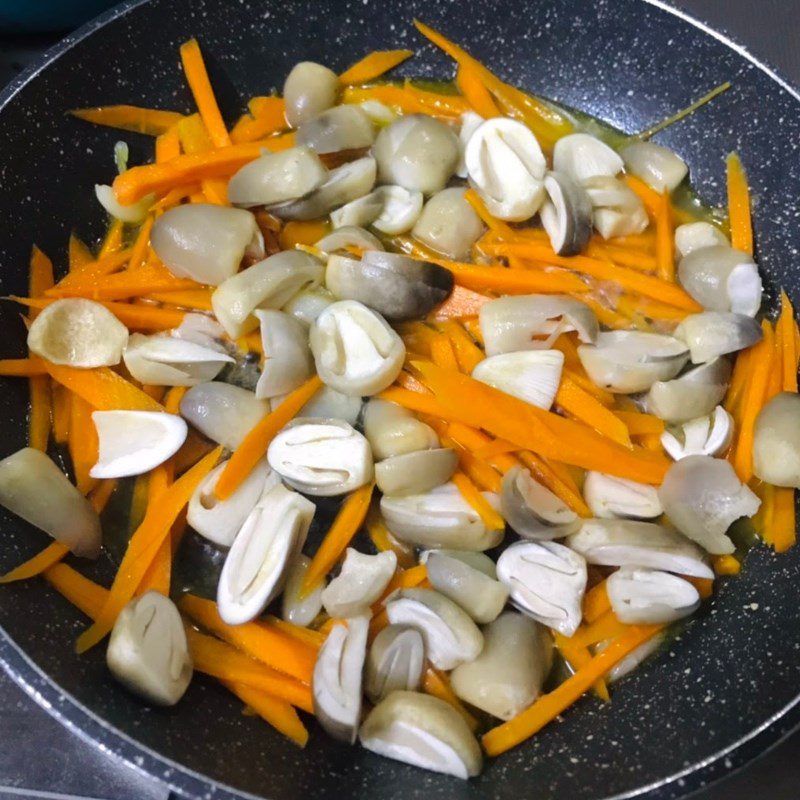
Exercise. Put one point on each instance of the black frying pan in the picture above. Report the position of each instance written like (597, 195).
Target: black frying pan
(721, 692)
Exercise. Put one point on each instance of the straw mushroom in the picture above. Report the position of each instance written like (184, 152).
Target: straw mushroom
(695, 235)
(393, 430)
(650, 597)
(609, 497)
(691, 395)
(581, 156)
(309, 89)
(658, 166)
(395, 662)
(448, 224)
(288, 361)
(531, 375)
(400, 209)
(361, 582)
(296, 609)
(338, 128)
(703, 436)
(566, 214)
(417, 472)
(716, 333)
(532, 510)
(776, 441)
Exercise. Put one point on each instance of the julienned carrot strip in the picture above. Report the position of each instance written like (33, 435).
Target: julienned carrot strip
(485, 477)
(144, 545)
(139, 250)
(632, 304)
(478, 96)
(185, 298)
(596, 602)
(577, 657)
(295, 232)
(278, 713)
(42, 561)
(197, 78)
(785, 335)
(606, 626)
(635, 259)
(752, 401)
(462, 302)
(39, 281)
(470, 492)
(739, 378)
(83, 444)
(259, 640)
(193, 135)
(136, 282)
(582, 406)
(550, 705)
(149, 121)
(96, 268)
(495, 447)
(436, 683)
(374, 65)
(665, 256)
(468, 354)
(102, 389)
(500, 229)
(481, 406)
(78, 254)
(651, 199)
(267, 116)
(443, 354)
(348, 521)
(383, 540)
(255, 444)
(638, 423)
(220, 660)
(408, 100)
(579, 377)
(84, 594)
(308, 636)
(605, 315)
(113, 240)
(168, 145)
(739, 205)
(101, 494)
(783, 533)
(726, 565)
(61, 399)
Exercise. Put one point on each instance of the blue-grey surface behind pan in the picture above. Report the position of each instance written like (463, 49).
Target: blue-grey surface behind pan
(721, 692)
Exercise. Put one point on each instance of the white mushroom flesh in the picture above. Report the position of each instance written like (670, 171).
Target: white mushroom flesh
(448, 224)
(297, 609)
(400, 209)
(288, 361)
(776, 441)
(582, 156)
(309, 89)
(133, 214)
(609, 497)
(417, 472)
(393, 430)
(658, 166)
(532, 510)
(327, 403)
(531, 375)
(395, 662)
(650, 597)
(360, 583)
(691, 395)
(566, 214)
(695, 235)
(338, 128)
(716, 333)
(618, 211)
(704, 436)
(470, 122)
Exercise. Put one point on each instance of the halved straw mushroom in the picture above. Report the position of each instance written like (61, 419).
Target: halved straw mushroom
(393, 430)
(634, 658)
(610, 497)
(422, 731)
(270, 283)
(625, 543)
(34, 488)
(171, 361)
(336, 129)
(288, 361)
(703, 497)
(695, 235)
(220, 520)
(255, 569)
(472, 588)
(400, 209)
(223, 412)
(658, 166)
(133, 214)
(691, 395)
(205, 242)
(776, 441)
(355, 350)
(510, 323)
(626, 362)
(148, 652)
(360, 583)
(416, 152)
(380, 114)
(77, 333)
(439, 518)
(532, 510)
(716, 333)
(508, 674)
(417, 472)
(321, 457)
(566, 214)
(327, 403)
(134, 442)
(309, 89)
(703, 436)
(506, 167)
(617, 209)
(581, 156)
(394, 285)
(359, 212)
(395, 662)
(343, 185)
(299, 610)
(650, 597)
(451, 637)
(308, 304)
(275, 178)
(448, 224)
(338, 678)
(530, 375)
(200, 329)
(546, 581)
(470, 122)
(348, 236)
(722, 278)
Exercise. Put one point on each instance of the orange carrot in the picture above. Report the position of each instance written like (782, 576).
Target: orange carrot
(255, 444)
(789, 354)
(436, 683)
(577, 657)
(96, 268)
(549, 706)
(83, 444)
(638, 423)
(462, 302)
(501, 229)
(580, 405)
(374, 65)
(101, 494)
(42, 561)
(513, 281)
(468, 354)
(168, 145)
(310, 637)
(149, 121)
(78, 253)
(113, 240)
(140, 249)
(294, 233)
(137, 282)
(478, 96)
(144, 545)
(739, 205)
(408, 99)
(383, 540)
(606, 626)
(665, 256)
(348, 521)
(469, 491)
(442, 353)
(199, 299)
(596, 602)
(579, 377)
(651, 199)
(197, 78)
(726, 565)
(84, 594)
(61, 412)
(102, 389)
(267, 116)
(273, 710)
(40, 280)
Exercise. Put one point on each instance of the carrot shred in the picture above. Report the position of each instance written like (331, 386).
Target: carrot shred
(651, 199)
(468, 354)
(197, 77)
(42, 561)
(739, 205)
(727, 565)
(101, 494)
(374, 65)
(789, 354)
(581, 405)
(493, 448)
(149, 121)
(96, 268)
(199, 299)
(86, 595)
(606, 626)
(267, 116)
(596, 602)
(436, 684)
(638, 423)
(61, 412)
(39, 424)
(549, 706)
(502, 230)
(408, 99)
(577, 657)
(168, 145)
(273, 710)
(462, 302)
(294, 233)
(442, 353)
(470, 492)
(83, 443)
(349, 519)
(306, 635)
(255, 444)
(78, 254)
(144, 545)
(476, 93)
(383, 540)
(665, 256)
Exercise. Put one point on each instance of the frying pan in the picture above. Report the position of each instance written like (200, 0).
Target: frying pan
(722, 690)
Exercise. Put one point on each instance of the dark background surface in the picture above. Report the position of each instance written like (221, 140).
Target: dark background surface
(38, 757)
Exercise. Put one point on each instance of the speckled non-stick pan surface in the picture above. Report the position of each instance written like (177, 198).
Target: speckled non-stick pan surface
(720, 693)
